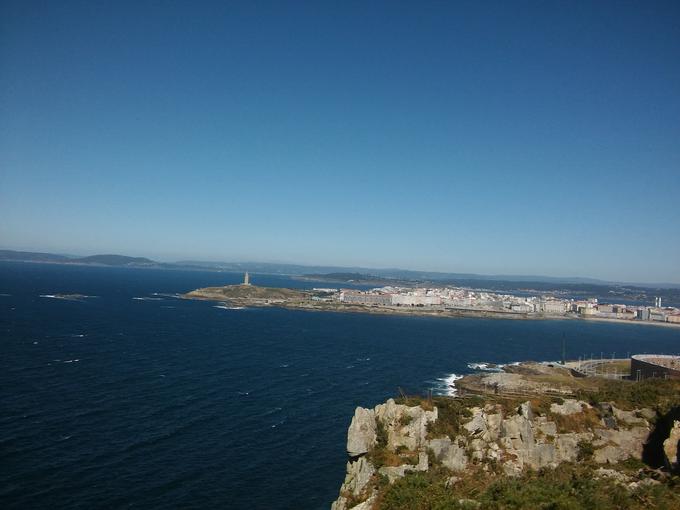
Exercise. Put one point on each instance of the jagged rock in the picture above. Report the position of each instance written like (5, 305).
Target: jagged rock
(567, 445)
(493, 427)
(671, 446)
(405, 426)
(628, 417)
(570, 406)
(361, 436)
(548, 428)
(609, 455)
(519, 430)
(339, 504)
(526, 411)
(449, 453)
(393, 473)
(512, 468)
(477, 425)
(366, 505)
(359, 473)
(619, 444)
(540, 455)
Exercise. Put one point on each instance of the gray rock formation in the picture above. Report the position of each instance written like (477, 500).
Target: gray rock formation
(449, 453)
(405, 426)
(514, 441)
(671, 447)
(569, 406)
(361, 435)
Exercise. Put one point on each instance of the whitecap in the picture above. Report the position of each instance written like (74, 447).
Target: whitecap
(447, 385)
(486, 367)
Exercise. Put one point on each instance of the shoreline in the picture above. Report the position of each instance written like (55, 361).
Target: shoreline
(404, 312)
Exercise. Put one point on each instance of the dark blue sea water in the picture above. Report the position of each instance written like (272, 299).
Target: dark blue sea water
(113, 402)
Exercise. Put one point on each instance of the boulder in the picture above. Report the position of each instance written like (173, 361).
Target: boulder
(361, 436)
(628, 417)
(570, 406)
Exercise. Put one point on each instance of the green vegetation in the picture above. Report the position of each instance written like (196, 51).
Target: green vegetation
(381, 456)
(656, 394)
(570, 487)
(585, 450)
(452, 414)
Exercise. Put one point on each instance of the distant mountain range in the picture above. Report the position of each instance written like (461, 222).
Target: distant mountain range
(98, 260)
(354, 273)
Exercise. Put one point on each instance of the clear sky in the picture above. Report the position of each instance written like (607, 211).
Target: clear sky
(490, 137)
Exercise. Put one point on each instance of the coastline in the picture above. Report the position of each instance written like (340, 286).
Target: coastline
(312, 306)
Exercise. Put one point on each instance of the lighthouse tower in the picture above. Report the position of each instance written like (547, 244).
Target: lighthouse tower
(246, 279)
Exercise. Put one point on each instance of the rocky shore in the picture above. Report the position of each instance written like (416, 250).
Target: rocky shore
(461, 452)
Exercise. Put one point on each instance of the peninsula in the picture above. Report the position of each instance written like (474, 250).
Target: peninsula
(446, 301)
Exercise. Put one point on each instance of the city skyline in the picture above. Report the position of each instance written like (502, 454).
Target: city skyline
(536, 139)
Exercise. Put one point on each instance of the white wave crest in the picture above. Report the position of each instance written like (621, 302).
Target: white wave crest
(447, 385)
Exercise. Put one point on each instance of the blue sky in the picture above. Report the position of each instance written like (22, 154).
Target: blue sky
(488, 137)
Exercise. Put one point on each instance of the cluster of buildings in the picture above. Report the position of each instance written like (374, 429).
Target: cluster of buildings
(456, 298)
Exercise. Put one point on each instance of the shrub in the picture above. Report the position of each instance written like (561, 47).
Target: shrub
(585, 450)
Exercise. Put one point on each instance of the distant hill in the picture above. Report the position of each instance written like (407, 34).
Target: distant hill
(103, 260)
(115, 260)
(29, 256)
(357, 274)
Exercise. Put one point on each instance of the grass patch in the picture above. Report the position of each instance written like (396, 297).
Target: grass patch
(570, 487)
(659, 394)
(452, 413)
(585, 421)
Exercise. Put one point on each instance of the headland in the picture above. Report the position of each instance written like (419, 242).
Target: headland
(435, 302)
(532, 435)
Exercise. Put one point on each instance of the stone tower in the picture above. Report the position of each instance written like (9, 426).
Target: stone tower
(246, 279)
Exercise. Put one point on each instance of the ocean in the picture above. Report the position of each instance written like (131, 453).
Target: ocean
(131, 399)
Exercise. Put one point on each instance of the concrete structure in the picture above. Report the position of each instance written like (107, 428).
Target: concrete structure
(359, 298)
(654, 366)
(246, 279)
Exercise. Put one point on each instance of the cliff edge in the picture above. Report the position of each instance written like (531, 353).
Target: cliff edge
(501, 451)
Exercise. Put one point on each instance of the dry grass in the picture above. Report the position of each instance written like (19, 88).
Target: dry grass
(584, 421)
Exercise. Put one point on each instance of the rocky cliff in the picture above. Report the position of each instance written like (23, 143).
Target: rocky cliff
(454, 444)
